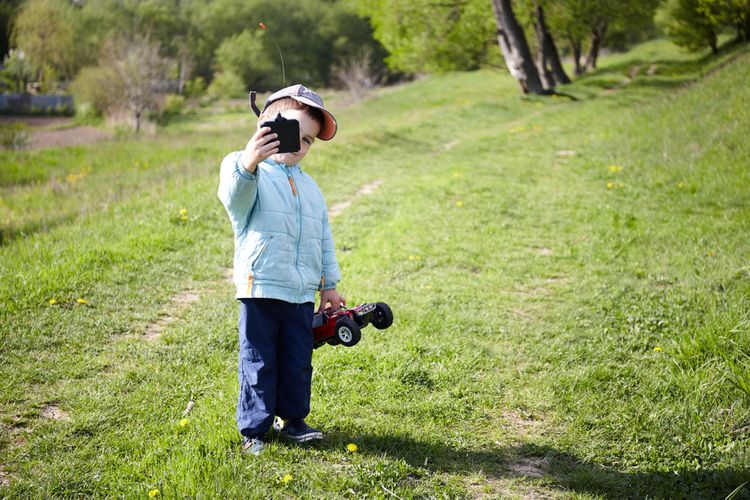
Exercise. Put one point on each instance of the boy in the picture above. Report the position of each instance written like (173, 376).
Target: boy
(283, 255)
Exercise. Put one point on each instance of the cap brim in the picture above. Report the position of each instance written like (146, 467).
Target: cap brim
(328, 130)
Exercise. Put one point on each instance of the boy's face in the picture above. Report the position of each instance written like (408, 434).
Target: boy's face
(308, 131)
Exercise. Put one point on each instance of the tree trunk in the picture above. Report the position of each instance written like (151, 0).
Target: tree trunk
(597, 37)
(575, 47)
(137, 121)
(551, 69)
(515, 49)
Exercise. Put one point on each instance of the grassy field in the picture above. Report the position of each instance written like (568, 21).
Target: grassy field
(569, 279)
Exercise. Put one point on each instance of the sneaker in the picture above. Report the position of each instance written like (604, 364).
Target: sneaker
(297, 430)
(253, 446)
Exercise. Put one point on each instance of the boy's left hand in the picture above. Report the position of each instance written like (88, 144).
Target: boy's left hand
(331, 297)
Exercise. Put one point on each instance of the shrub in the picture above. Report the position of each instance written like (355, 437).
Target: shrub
(93, 89)
(226, 85)
(13, 135)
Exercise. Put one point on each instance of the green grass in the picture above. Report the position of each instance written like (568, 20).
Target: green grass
(569, 279)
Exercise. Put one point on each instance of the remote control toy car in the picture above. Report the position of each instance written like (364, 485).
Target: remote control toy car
(345, 325)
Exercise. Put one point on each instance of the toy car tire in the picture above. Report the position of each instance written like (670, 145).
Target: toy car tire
(382, 316)
(348, 332)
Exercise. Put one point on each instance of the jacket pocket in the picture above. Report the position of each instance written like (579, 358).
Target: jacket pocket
(263, 243)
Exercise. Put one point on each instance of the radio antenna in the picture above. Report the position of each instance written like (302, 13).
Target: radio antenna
(283, 72)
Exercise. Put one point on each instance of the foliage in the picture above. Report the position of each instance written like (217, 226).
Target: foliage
(695, 24)
(195, 88)
(95, 89)
(43, 32)
(14, 135)
(244, 55)
(16, 69)
(687, 24)
(428, 36)
(225, 85)
(139, 75)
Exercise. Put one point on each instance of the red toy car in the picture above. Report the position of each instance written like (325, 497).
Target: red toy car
(345, 325)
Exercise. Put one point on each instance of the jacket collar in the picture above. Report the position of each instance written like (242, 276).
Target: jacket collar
(273, 163)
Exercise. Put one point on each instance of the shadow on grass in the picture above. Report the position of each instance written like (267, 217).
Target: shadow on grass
(657, 74)
(550, 467)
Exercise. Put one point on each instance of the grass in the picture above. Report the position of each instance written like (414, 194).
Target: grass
(569, 281)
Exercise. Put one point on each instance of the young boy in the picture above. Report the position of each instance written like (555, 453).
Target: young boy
(283, 255)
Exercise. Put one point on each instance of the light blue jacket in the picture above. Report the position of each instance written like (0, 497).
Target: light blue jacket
(283, 248)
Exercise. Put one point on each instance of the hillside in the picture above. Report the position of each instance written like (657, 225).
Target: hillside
(569, 281)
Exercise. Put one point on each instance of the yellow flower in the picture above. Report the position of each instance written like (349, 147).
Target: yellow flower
(657, 349)
(710, 253)
(153, 493)
(414, 257)
(459, 204)
(610, 185)
(52, 302)
(681, 184)
(613, 169)
(286, 478)
(82, 301)
(352, 448)
(184, 422)
(183, 211)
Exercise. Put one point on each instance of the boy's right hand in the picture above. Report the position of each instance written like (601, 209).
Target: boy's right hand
(261, 145)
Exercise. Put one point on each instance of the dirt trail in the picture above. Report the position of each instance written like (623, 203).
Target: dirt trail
(44, 132)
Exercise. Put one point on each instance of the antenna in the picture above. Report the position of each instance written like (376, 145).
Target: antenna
(283, 72)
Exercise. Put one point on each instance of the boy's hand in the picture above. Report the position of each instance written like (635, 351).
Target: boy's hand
(261, 145)
(331, 297)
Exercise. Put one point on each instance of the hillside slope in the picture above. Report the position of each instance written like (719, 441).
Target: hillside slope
(569, 281)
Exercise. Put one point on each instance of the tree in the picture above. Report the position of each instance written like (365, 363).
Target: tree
(17, 69)
(44, 33)
(245, 55)
(548, 58)
(730, 13)
(515, 49)
(7, 13)
(140, 74)
(688, 25)
(425, 35)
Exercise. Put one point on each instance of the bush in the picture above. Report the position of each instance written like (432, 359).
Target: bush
(195, 88)
(13, 135)
(226, 85)
(93, 90)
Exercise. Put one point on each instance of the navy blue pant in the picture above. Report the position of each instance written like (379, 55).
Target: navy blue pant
(275, 363)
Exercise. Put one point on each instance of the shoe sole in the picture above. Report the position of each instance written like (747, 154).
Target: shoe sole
(311, 436)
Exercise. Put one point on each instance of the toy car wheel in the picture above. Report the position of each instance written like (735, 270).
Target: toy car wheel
(348, 332)
(382, 316)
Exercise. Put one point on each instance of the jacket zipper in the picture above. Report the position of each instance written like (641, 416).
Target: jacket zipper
(298, 213)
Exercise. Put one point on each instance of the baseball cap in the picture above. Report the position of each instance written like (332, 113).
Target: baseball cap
(304, 95)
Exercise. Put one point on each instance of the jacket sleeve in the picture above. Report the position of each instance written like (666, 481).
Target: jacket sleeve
(238, 189)
(331, 272)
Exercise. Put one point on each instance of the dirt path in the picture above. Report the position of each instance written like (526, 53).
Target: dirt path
(49, 132)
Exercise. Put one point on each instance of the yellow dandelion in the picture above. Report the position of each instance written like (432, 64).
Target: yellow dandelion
(613, 169)
(610, 185)
(459, 204)
(681, 185)
(286, 478)
(352, 448)
(82, 301)
(183, 211)
(414, 257)
(153, 493)
(184, 423)
(657, 349)
(52, 302)
(710, 253)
